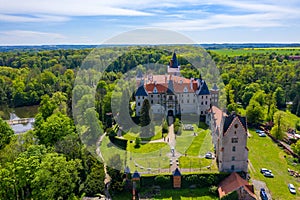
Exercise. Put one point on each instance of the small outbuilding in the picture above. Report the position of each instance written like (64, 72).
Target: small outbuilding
(176, 178)
(236, 183)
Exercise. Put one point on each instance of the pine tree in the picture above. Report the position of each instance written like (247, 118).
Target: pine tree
(145, 115)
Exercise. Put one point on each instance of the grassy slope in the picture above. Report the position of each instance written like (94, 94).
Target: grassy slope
(264, 153)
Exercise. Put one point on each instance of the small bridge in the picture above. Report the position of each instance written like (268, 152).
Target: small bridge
(20, 121)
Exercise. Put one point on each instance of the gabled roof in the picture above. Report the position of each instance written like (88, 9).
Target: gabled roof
(141, 91)
(218, 115)
(232, 183)
(136, 174)
(176, 172)
(215, 87)
(203, 88)
(229, 119)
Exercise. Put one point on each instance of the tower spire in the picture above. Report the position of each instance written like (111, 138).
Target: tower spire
(173, 61)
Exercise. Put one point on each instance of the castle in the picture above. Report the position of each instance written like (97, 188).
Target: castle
(172, 94)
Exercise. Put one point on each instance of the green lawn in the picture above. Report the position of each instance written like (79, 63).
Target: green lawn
(194, 145)
(130, 135)
(151, 155)
(193, 162)
(264, 153)
(146, 148)
(185, 194)
(251, 51)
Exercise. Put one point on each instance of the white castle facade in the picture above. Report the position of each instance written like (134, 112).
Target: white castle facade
(172, 94)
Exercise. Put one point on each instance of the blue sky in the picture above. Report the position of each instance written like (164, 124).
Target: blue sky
(95, 21)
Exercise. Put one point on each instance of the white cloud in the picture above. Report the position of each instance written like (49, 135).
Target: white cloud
(36, 18)
(27, 37)
(11, 10)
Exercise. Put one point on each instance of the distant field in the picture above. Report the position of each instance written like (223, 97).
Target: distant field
(250, 51)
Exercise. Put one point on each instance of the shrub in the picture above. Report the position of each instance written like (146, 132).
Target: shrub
(137, 142)
(162, 181)
(165, 127)
(213, 190)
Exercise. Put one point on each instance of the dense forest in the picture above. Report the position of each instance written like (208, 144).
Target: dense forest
(53, 161)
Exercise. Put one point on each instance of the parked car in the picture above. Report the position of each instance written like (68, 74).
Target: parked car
(263, 170)
(292, 188)
(263, 194)
(259, 131)
(262, 135)
(209, 155)
(269, 174)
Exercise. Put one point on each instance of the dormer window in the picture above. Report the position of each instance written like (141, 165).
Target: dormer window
(155, 90)
(185, 89)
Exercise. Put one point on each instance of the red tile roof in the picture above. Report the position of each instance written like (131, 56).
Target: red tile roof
(218, 115)
(161, 88)
(161, 83)
(234, 182)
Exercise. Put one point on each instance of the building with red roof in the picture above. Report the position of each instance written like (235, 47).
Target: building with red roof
(171, 94)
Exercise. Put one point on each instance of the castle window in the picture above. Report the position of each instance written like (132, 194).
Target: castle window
(188, 101)
(236, 126)
(158, 95)
(151, 95)
(193, 100)
(206, 96)
(151, 101)
(205, 102)
(232, 167)
(138, 97)
(201, 112)
(139, 104)
(233, 148)
(232, 158)
(202, 97)
(234, 140)
(201, 103)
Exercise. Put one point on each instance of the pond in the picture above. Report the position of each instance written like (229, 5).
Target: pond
(18, 113)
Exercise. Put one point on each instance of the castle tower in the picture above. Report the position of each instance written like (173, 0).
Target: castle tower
(214, 95)
(174, 67)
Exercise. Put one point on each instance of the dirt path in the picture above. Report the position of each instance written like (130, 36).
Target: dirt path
(260, 184)
(107, 177)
